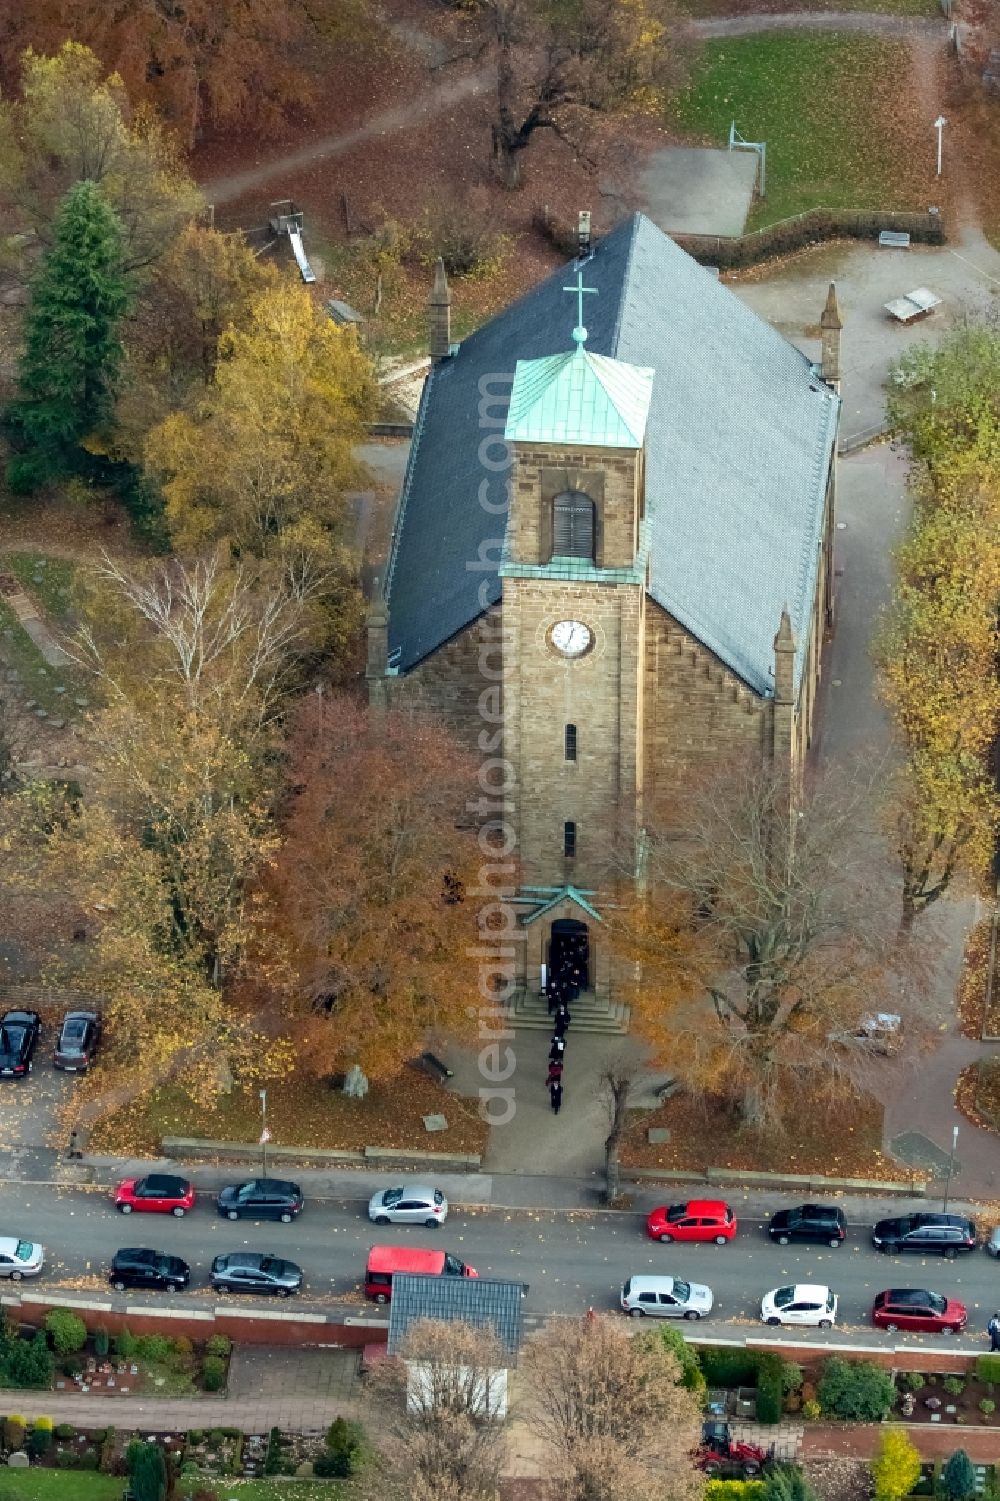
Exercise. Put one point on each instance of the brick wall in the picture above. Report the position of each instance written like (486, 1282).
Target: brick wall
(460, 682)
(696, 711)
(241, 1327)
(599, 693)
(614, 484)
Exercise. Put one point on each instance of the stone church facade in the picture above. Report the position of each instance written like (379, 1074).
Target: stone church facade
(612, 561)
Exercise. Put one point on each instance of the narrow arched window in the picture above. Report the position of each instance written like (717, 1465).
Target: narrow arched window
(573, 525)
(570, 739)
(569, 840)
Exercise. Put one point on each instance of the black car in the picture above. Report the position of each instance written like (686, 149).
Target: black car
(824, 1223)
(79, 1036)
(137, 1266)
(18, 1036)
(947, 1233)
(251, 1272)
(261, 1199)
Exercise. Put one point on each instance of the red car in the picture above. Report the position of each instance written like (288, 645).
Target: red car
(914, 1309)
(160, 1193)
(698, 1219)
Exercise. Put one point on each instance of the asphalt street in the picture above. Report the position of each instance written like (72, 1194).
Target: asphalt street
(570, 1261)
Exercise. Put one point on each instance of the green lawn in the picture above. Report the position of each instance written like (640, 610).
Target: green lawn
(835, 112)
(48, 581)
(79, 1485)
(59, 1485)
(50, 586)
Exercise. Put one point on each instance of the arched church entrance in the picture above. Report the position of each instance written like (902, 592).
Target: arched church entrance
(569, 957)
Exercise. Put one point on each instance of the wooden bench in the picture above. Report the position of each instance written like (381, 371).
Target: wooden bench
(894, 239)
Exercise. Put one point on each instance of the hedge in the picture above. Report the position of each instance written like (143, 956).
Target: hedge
(770, 1388)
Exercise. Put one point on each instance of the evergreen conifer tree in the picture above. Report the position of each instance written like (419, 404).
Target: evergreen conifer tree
(958, 1478)
(72, 352)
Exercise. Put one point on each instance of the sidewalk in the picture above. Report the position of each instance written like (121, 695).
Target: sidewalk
(530, 1192)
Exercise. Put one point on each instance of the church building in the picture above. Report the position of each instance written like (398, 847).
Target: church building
(611, 564)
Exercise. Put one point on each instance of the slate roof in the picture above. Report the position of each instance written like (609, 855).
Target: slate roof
(580, 398)
(471, 1300)
(738, 446)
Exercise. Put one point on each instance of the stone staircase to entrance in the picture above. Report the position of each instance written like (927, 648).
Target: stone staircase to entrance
(590, 1013)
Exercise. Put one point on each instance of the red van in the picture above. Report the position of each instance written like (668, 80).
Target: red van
(385, 1261)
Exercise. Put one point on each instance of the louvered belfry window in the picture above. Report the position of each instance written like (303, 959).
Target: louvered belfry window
(573, 525)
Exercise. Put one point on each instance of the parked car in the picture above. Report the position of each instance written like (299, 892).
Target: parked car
(824, 1224)
(261, 1199)
(159, 1193)
(253, 1272)
(993, 1244)
(914, 1309)
(137, 1266)
(20, 1258)
(409, 1204)
(947, 1233)
(698, 1219)
(804, 1303)
(666, 1298)
(79, 1038)
(18, 1038)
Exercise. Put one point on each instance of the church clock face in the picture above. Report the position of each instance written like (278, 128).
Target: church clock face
(571, 638)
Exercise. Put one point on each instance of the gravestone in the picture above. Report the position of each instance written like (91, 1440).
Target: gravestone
(356, 1083)
(18, 1460)
(435, 1123)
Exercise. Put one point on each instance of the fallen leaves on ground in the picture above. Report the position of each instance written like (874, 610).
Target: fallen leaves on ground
(301, 1112)
(705, 1133)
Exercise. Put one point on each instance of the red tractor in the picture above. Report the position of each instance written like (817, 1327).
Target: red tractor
(723, 1457)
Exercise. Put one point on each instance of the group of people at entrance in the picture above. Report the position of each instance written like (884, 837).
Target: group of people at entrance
(568, 975)
(565, 980)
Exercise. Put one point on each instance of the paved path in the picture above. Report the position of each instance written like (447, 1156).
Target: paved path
(862, 1441)
(825, 20)
(295, 1413)
(435, 101)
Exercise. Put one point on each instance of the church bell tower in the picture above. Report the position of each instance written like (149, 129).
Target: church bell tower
(574, 577)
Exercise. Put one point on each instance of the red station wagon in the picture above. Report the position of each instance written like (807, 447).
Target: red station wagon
(698, 1219)
(915, 1310)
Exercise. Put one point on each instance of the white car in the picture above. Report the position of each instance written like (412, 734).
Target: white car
(20, 1258)
(804, 1303)
(409, 1204)
(666, 1298)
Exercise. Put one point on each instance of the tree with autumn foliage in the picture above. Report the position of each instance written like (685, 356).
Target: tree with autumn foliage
(164, 854)
(557, 66)
(262, 463)
(763, 934)
(370, 886)
(938, 649)
(70, 123)
(205, 283)
(218, 63)
(611, 1411)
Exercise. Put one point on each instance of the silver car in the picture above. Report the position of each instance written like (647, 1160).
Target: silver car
(993, 1244)
(409, 1204)
(666, 1298)
(20, 1258)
